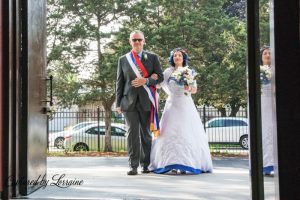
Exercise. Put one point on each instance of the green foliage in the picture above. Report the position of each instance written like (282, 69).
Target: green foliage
(264, 22)
(215, 42)
(213, 33)
(76, 32)
(83, 70)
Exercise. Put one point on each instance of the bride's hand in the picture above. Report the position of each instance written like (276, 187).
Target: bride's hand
(154, 76)
(191, 89)
(188, 88)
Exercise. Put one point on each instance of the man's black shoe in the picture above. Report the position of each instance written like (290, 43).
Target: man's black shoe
(132, 172)
(145, 171)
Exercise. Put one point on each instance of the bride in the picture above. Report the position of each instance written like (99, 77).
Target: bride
(267, 115)
(182, 146)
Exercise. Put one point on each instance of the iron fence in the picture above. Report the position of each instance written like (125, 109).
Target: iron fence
(85, 131)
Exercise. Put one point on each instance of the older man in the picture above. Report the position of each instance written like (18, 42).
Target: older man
(136, 99)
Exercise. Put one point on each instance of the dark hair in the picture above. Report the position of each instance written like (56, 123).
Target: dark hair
(184, 55)
(262, 49)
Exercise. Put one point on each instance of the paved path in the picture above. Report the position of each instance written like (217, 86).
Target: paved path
(105, 178)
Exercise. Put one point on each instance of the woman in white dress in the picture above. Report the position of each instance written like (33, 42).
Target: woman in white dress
(182, 146)
(267, 112)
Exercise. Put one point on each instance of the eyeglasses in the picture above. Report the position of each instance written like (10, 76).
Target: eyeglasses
(134, 40)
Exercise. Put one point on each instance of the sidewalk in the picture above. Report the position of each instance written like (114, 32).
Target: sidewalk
(105, 178)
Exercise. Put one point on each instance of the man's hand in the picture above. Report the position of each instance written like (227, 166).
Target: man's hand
(138, 82)
(119, 110)
(154, 76)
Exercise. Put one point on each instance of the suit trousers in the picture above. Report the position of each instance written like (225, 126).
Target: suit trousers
(139, 139)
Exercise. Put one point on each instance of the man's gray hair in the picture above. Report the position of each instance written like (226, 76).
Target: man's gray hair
(136, 32)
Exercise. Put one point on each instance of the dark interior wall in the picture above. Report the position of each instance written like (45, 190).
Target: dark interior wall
(3, 91)
(1, 130)
(6, 99)
(287, 69)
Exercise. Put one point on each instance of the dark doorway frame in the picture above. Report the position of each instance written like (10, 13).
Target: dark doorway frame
(253, 47)
(21, 51)
(254, 101)
(286, 45)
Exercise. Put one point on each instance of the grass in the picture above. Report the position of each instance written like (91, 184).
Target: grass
(124, 154)
(229, 155)
(86, 154)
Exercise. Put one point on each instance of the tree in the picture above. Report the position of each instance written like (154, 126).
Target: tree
(264, 22)
(215, 41)
(236, 8)
(79, 33)
(66, 53)
(213, 32)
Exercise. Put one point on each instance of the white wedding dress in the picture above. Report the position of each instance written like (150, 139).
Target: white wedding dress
(183, 144)
(268, 119)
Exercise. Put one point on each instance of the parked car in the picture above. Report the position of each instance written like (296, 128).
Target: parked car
(228, 130)
(56, 139)
(86, 139)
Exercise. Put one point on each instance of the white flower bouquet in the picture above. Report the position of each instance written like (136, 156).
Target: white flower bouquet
(184, 76)
(265, 74)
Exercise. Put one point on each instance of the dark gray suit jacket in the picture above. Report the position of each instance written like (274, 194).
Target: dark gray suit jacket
(127, 95)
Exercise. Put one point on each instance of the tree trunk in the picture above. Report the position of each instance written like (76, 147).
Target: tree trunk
(222, 111)
(234, 110)
(108, 114)
(107, 146)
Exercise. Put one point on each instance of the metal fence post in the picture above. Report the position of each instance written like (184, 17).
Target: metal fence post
(98, 121)
(47, 127)
(96, 141)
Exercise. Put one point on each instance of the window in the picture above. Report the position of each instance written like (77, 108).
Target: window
(233, 122)
(117, 131)
(226, 123)
(94, 130)
(216, 123)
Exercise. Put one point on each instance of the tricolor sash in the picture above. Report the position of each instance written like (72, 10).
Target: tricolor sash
(140, 71)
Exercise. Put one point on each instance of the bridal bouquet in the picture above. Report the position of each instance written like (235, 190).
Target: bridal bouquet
(265, 74)
(184, 76)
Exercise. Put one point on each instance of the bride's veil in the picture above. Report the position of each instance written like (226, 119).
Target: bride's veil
(164, 84)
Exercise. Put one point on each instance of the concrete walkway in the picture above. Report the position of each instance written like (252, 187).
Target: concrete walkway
(105, 178)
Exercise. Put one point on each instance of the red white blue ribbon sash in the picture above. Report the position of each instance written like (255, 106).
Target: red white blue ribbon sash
(140, 71)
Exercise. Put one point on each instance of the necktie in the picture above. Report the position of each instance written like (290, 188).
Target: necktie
(139, 67)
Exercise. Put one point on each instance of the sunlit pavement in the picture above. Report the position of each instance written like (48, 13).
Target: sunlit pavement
(105, 178)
